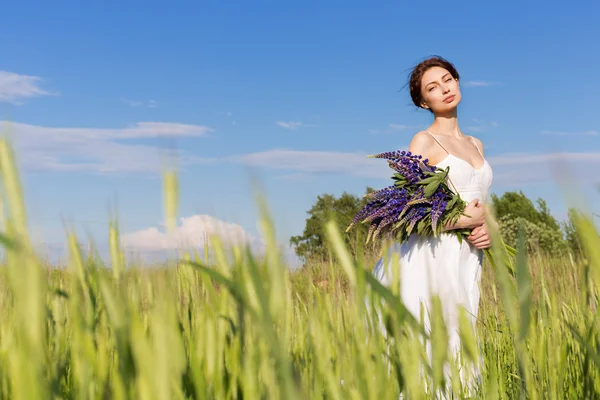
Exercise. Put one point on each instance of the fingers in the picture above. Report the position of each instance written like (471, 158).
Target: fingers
(477, 233)
(484, 245)
(474, 236)
(480, 240)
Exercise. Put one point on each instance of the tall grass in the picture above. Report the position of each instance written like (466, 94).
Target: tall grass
(244, 327)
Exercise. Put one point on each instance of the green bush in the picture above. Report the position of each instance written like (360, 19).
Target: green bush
(539, 236)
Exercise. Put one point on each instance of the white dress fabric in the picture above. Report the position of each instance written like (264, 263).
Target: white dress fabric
(442, 265)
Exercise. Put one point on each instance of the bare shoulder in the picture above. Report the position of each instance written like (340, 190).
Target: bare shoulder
(421, 142)
(424, 144)
(479, 144)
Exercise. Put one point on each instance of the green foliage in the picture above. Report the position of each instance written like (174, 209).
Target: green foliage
(235, 327)
(313, 245)
(543, 232)
(539, 237)
(519, 205)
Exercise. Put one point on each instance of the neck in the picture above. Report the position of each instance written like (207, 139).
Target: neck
(447, 125)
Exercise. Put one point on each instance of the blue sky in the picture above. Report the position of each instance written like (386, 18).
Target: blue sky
(296, 93)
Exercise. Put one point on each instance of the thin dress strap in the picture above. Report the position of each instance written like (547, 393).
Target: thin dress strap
(442, 146)
(438, 142)
(475, 143)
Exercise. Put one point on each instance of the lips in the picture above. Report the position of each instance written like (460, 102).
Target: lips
(449, 99)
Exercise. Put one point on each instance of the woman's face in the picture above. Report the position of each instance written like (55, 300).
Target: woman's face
(439, 90)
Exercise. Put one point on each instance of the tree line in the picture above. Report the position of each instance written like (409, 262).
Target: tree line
(543, 232)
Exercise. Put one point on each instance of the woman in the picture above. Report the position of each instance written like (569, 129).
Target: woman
(444, 266)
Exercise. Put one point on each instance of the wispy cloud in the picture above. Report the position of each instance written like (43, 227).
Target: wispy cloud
(391, 128)
(15, 87)
(564, 133)
(480, 83)
(139, 103)
(229, 116)
(508, 169)
(531, 168)
(317, 162)
(480, 125)
(293, 125)
(100, 150)
(475, 128)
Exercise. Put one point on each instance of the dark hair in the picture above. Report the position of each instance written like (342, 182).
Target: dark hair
(417, 75)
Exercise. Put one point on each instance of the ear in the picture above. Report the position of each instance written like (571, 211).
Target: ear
(424, 105)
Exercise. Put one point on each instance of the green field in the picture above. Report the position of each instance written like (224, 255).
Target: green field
(244, 327)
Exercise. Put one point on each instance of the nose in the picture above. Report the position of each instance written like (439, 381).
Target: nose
(445, 89)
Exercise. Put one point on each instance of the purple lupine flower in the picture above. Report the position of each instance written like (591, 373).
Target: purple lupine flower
(386, 201)
(383, 223)
(390, 155)
(393, 205)
(384, 191)
(395, 210)
(420, 212)
(437, 208)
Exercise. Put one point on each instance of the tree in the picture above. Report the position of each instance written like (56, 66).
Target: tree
(542, 230)
(519, 205)
(538, 237)
(312, 244)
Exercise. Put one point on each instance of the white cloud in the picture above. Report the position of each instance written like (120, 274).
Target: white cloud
(317, 162)
(475, 128)
(529, 168)
(153, 243)
(14, 87)
(139, 103)
(554, 133)
(516, 168)
(480, 83)
(480, 125)
(391, 128)
(399, 127)
(292, 125)
(102, 150)
(191, 233)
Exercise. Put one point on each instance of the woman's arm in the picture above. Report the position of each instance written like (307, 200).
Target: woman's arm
(473, 217)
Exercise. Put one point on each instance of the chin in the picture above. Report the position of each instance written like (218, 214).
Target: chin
(446, 108)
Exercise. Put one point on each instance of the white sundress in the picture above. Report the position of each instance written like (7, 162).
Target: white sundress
(443, 265)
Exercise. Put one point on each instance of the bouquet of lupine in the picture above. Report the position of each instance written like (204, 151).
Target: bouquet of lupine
(419, 201)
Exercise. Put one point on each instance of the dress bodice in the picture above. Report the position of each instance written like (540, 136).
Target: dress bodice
(471, 183)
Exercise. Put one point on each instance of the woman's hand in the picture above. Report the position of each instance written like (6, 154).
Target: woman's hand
(480, 237)
(474, 215)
